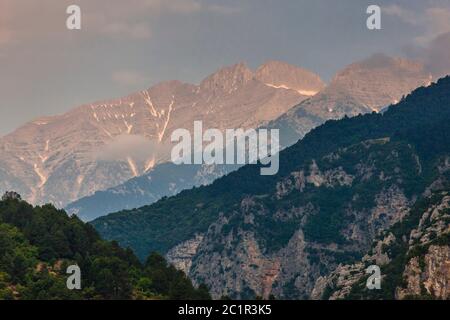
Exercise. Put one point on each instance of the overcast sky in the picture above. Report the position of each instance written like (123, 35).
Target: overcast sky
(129, 45)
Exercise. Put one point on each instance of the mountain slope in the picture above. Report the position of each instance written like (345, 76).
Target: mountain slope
(248, 235)
(413, 256)
(362, 87)
(96, 146)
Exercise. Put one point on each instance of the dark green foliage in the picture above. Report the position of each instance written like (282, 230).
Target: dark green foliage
(38, 244)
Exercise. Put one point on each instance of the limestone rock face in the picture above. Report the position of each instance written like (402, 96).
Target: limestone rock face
(433, 278)
(181, 255)
(426, 273)
(343, 277)
(429, 274)
(232, 259)
(393, 76)
(366, 86)
(281, 75)
(437, 272)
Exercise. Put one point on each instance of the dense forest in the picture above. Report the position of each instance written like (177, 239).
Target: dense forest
(37, 244)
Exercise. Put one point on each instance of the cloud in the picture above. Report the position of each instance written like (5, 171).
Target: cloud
(189, 7)
(7, 23)
(174, 6)
(432, 47)
(437, 56)
(133, 18)
(134, 146)
(434, 20)
(129, 78)
(403, 14)
(5, 36)
(139, 31)
(224, 10)
(25, 21)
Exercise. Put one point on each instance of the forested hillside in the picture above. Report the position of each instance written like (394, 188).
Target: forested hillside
(37, 244)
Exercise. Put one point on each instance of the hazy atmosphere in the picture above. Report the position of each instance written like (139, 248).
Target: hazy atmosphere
(227, 154)
(125, 46)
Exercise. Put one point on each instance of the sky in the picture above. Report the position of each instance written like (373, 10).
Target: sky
(125, 46)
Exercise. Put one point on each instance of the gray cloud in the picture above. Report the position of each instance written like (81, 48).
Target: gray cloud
(21, 20)
(436, 56)
(432, 44)
(434, 20)
(131, 30)
(130, 78)
(136, 147)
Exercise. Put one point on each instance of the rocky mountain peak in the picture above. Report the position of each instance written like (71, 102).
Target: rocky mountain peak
(283, 75)
(392, 76)
(228, 78)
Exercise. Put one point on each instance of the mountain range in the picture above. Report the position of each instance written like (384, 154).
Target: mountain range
(96, 146)
(371, 189)
(362, 87)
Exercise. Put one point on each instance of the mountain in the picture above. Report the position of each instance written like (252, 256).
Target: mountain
(341, 189)
(38, 244)
(278, 74)
(164, 180)
(360, 88)
(96, 146)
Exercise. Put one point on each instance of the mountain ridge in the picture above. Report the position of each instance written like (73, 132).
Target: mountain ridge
(62, 158)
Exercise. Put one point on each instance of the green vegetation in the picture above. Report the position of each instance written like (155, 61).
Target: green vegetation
(37, 244)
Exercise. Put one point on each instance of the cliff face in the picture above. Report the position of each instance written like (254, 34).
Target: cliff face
(236, 263)
(428, 273)
(181, 255)
(415, 262)
(246, 254)
(432, 278)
